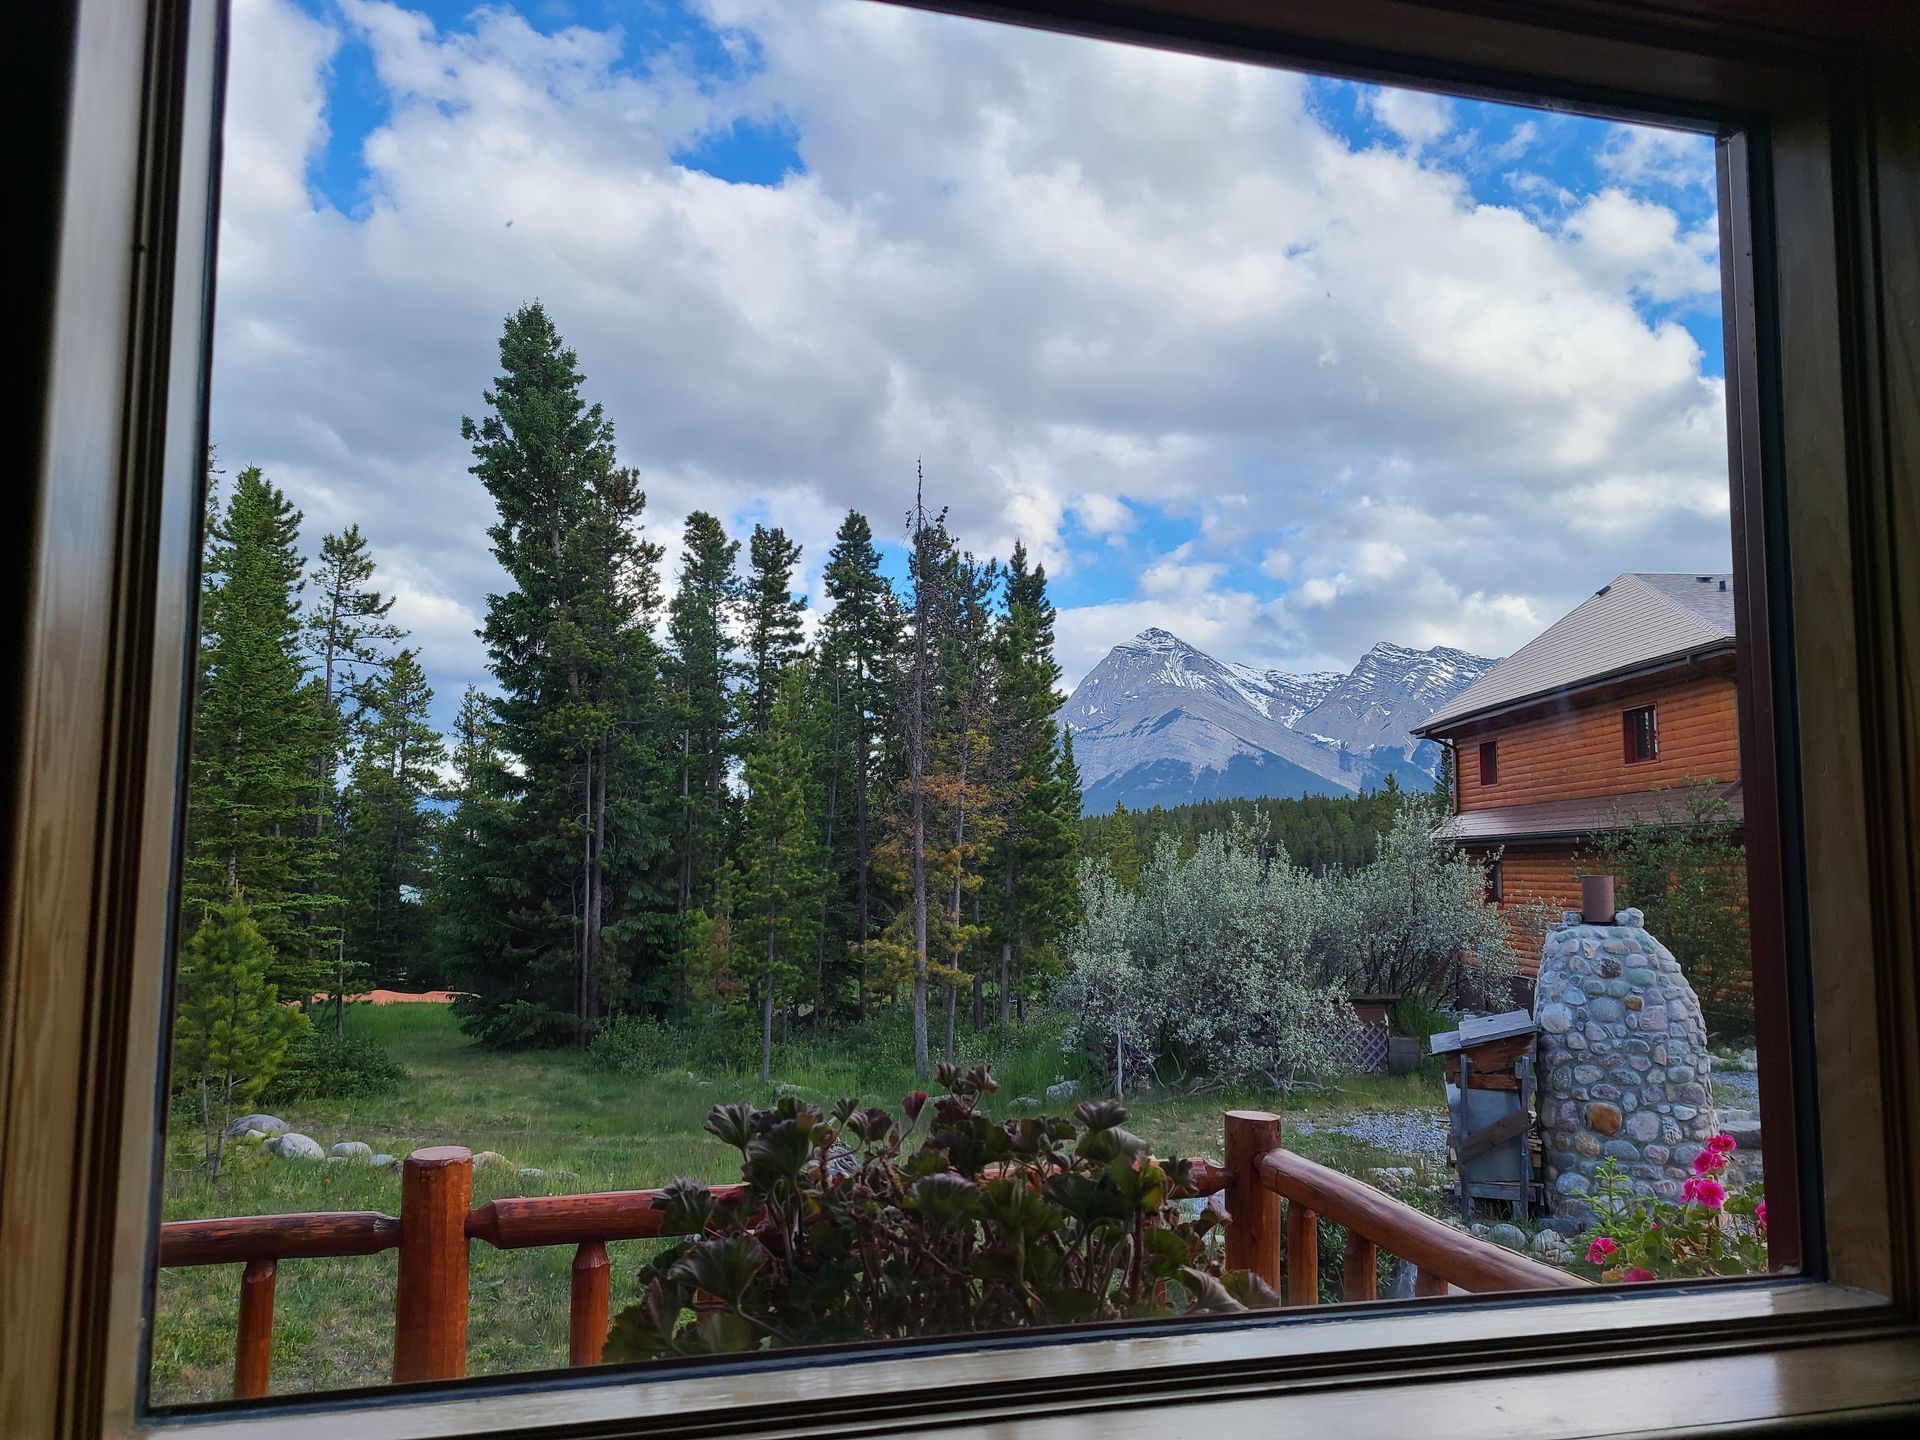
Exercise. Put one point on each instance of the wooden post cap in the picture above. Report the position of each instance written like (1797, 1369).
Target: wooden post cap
(431, 1157)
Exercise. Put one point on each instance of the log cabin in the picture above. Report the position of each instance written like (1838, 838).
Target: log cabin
(1590, 726)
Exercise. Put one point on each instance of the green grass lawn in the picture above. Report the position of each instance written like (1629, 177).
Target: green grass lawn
(547, 1109)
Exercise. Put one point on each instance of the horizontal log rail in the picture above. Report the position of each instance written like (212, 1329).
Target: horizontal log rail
(316, 1235)
(1264, 1174)
(438, 1223)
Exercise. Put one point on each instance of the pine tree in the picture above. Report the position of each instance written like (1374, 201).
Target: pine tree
(775, 906)
(967, 779)
(860, 643)
(474, 860)
(577, 715)
(230, 1031)
(260, 737)
(916, 708)
(1037, 857)
(702, 674)
(390, 832)
(347, 632)
(770, 616)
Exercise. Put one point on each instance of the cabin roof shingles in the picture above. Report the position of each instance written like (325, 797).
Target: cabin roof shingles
(1636, 622)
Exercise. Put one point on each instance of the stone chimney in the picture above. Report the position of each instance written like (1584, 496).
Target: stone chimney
(1623, 1062)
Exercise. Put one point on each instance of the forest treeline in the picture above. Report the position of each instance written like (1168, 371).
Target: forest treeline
(1318, 832)
(694, 803)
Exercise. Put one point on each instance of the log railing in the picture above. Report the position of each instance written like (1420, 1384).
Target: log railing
(1445, 1259)
(437, 1225)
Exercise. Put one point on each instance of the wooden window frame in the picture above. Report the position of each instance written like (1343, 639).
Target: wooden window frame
(1628, 734)
(1818, 202)
(1489, 763)
(1496, 881)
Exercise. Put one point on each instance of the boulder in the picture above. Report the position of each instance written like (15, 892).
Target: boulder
(493, 1160)
(532, 1172)
(356, 1151)
(272, 1126)
(1509, 1235)
(384, 1161)
(295, 1146)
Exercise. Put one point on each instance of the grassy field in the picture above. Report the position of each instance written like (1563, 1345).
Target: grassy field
(333, 1318)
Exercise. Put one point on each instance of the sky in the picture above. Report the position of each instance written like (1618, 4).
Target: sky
(1283, 364)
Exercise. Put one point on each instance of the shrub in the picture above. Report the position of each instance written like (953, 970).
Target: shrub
(1209, 968)
(1712, 1230)
(838, 1233)
(1686, 871)
(231, 1035)
(323, 1066)
(1416, 917)
(636, 1045)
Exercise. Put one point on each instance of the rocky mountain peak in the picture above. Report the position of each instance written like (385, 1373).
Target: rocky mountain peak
(1160, 721)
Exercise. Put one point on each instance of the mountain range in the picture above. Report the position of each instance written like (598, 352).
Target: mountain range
(1159, 722)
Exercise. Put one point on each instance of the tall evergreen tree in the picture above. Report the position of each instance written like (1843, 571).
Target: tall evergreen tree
(860, 643)
(576, 716)
(473, 862)
(770, 615)
(917, 718)
(1036, 858)
(347, 632)
(259, 738)
(967, 780)
(347, 635)
(390, 830)
(703, 672)
(775, 903)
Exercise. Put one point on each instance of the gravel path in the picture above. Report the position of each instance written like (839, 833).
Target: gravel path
(1742, 1087)
(1417, 1134)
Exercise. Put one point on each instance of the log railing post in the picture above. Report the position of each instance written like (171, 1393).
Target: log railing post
(430, 1302)
(1428, 1284)
(253, 1342)
(587, 1322)
(1303, 1255)
(1253, 1229)
(1360, 1272)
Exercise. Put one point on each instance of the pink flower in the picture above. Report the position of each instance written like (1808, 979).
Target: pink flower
(1599, 1250)
(1709, 1162)
(1636, 1275)
(1722, 1145)
(1710, 1193)
(1760, 1215)
(1692, 1184)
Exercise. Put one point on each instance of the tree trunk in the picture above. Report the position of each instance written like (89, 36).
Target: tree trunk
(596, 915)
(953, 1004)
(766, 1016)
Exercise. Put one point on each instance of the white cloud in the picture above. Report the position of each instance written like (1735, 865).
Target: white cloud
(1637, 245)
(1638, 155)
(1414, 115)
(1080, 281)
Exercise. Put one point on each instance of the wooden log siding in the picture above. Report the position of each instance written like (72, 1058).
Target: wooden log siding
(1576, 755)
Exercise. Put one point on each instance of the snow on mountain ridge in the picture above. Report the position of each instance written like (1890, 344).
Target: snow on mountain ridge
(1161, 721)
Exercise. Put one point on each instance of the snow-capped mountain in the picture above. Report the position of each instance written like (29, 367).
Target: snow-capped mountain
(1159, 722)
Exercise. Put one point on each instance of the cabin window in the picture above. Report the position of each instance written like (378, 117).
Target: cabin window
(1489, 762)
(1496, 883)
(1640, 734)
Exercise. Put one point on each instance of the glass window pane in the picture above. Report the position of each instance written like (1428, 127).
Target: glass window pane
(765, 559)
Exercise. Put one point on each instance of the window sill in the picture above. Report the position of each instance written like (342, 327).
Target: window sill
(1676, 1359)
